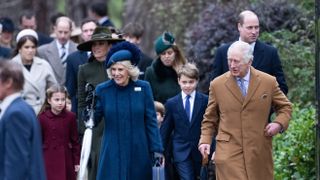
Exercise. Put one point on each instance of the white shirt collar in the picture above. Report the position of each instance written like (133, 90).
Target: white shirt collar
(246, 77)
(7, 101)
(103, 19)
(252, 44)
(184, 95)
(60, 45)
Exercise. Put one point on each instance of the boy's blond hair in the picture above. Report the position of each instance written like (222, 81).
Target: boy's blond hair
(159, 107)
(190, 70)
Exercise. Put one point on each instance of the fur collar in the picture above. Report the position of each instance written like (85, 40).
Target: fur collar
(164, 72)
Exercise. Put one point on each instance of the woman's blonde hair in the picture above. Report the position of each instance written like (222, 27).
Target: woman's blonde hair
(132, 70)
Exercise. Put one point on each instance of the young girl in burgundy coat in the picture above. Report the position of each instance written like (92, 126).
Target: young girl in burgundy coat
(61, 148)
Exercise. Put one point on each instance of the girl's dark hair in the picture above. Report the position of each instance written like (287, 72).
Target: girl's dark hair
(22, 41)
(53, 89)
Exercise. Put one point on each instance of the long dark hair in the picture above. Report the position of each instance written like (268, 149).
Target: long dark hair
(52, 89)
(22, 41)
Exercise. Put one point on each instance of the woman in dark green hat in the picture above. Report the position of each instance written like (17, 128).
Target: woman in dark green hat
(162, 74)
(94, 72)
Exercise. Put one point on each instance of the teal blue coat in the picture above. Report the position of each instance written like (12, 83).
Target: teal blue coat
(130, 134)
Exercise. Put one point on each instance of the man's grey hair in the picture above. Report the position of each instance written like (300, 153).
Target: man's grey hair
(242, 47)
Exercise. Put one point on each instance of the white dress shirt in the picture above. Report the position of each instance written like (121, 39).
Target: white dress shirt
(7, 101)
(191, 99)
(66, 47)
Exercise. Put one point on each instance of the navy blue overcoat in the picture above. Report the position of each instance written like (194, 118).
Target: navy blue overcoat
(130, 134)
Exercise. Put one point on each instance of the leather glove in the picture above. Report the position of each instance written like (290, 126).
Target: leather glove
(158, 159)
(89, 98)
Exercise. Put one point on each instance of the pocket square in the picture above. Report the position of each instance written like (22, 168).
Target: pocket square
(264, 96)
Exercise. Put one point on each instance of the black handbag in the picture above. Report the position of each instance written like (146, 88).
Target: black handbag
(208, 169)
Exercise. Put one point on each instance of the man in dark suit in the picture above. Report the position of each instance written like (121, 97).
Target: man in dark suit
(133, 33)
(28, 21)
(266, 57)
(99, 12)
(4, 52)
(75, 59)
(20, 136)
(184, 113)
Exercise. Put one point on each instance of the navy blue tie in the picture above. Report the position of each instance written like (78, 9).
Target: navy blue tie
(187, 106)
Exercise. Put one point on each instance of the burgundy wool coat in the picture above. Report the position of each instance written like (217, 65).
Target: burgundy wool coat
(61, 148)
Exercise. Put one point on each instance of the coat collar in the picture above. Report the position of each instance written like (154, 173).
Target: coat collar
(257, 53)
(232, 86)
(50, 114)
(163, 72)
(34, 71)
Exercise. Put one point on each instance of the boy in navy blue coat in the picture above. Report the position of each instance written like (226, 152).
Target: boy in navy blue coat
(182, 123)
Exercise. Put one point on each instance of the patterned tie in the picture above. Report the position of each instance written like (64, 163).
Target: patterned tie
(242, 86)
(187, 107)
(63, 53)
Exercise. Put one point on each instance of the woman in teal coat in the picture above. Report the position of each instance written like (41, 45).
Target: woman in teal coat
(131, 135)
(94, 72)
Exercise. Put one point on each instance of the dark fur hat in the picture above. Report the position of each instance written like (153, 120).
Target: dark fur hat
(123, 51)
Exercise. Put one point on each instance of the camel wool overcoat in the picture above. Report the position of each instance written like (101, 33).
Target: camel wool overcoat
(243, 152)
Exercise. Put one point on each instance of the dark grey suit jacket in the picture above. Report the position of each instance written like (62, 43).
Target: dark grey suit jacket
(50, 53)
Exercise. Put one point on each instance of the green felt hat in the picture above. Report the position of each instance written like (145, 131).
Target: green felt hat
(164, 42)
(100, 34)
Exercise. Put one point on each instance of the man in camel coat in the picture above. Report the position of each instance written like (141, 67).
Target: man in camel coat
(237, 114)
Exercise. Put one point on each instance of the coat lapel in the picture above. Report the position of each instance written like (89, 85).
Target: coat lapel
(257, 54)
(233, 87)
(196, 108)
(55, 60)
(72, 47)
(253, 85)
(180, 108)
(29, 75)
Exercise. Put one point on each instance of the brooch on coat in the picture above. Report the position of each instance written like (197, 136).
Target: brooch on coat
(137, 88)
